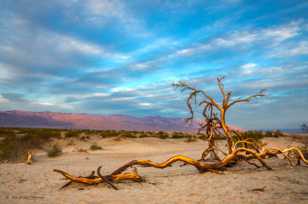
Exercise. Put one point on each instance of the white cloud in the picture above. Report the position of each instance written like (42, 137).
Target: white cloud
(189, 51)
(297, 49)
(252, 68)
(140, 66)
(238, 38)
(232, 40)
(244, 38)
(86, 96)
(34, 46)
(99, 13)
(157, 44)
(6, 71)
(122, 89)
(129, 98)
(67, 43)
(277, 83)
(248, 68)
(3, 100)
(282, 33)
(144, 104)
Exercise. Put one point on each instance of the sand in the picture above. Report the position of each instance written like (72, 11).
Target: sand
(37, 183)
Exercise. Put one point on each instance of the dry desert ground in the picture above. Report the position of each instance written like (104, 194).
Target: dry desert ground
(37, 183)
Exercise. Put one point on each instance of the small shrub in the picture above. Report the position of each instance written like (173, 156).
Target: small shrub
(202, 136)
(84, 137)
(72, 133)
(128, 134)
(15, 142)
(177, 135)
(82, 150)
(95, 147)
(253, 134)
(54, 151)
(109, 133)
(191, 138)
(70, 143)
(142, 135)
(162, 135)
(278, 133)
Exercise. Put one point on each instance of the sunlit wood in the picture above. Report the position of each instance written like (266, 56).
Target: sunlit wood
(214, 125)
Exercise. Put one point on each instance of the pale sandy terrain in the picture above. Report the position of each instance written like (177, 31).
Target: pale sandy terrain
(37, 183)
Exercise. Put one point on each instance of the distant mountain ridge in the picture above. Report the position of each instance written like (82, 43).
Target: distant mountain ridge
(18, 118)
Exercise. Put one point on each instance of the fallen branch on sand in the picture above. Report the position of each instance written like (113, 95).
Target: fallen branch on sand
(202, 166)
(214, 124)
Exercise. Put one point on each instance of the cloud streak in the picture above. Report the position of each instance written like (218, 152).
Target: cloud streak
(121, 57)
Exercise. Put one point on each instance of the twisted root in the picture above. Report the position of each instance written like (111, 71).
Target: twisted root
(94, 180)
(236, 154)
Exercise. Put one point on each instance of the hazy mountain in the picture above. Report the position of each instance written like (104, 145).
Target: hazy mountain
(18, 118)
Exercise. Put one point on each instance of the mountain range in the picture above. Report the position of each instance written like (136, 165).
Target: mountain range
(18, 118)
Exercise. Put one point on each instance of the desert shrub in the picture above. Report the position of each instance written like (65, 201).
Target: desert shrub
(95, 147)
(202, 136)
(151, 134)
(127, 134)
(8, 150)
(70, 142)
(84, 137)
(162, 135)
(109, 133)
(54, 151)
(191, 138)
(82, 150)
(15, 142)
(277, 133)
(177, 135)
(252, 134)
(72, 133)
(143, 134)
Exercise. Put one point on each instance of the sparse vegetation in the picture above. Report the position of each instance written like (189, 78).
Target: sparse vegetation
(191, 138)
(95, 146)
(177, 135)
(72, 133)
(241, 146)
(54, 151)
(162, 135)
(16, 142)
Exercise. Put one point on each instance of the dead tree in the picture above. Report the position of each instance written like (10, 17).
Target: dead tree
(214, 124)
(214, 113)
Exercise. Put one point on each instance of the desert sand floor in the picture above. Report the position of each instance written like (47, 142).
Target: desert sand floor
(37, 183)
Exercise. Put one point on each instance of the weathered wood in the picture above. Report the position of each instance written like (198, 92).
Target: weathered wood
(214, 124)
(29, 158)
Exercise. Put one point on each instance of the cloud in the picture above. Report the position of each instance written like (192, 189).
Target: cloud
(248, 68)
(54, 49)
(282, 33)
(254, 69)
(239, 41)
(103, 13)
(277, 83)
(102, 56)
(17, 101)
(295, 49)
(14, 97)
(6, 71)
(243, 38)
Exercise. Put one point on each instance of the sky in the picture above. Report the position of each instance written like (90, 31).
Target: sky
(121, 57)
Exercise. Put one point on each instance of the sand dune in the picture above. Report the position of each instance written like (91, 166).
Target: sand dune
(37, 183)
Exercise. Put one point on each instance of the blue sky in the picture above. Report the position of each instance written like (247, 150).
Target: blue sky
(121, 57)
